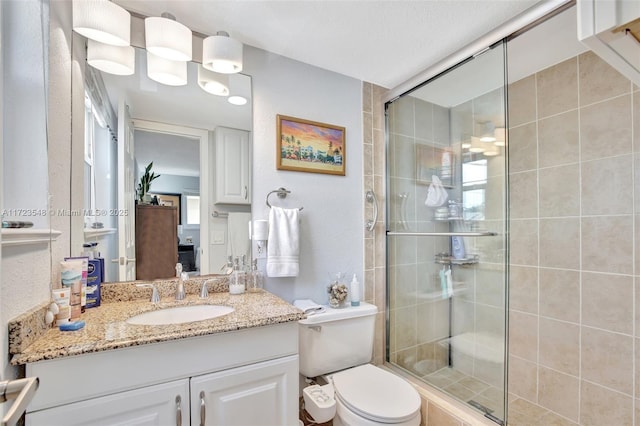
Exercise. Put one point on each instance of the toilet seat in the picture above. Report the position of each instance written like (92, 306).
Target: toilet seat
(376, 394)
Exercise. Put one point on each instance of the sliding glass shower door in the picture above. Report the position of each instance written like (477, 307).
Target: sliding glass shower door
(446, 232)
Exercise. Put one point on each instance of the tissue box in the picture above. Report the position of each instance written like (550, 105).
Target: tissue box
(94, 280)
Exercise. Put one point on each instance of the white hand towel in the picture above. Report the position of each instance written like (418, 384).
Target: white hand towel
(283, 246)
(238, 229)
(308, 306)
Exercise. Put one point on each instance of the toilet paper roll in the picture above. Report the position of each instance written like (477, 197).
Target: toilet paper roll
(260, 230)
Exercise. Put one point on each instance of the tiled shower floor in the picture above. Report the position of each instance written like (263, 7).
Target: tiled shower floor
(467, 388)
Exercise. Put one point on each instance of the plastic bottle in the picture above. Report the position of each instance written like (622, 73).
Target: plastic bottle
(256, 278)
(355, 291)
(237, 279)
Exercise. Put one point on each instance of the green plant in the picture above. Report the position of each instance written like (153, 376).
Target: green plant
(145, 181)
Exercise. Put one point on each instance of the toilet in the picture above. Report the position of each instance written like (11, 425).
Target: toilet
(336, 345)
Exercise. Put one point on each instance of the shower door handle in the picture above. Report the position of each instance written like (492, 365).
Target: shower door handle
(371, 198)
(441, 234)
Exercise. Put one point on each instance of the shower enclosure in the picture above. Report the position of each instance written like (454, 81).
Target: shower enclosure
(447, 231)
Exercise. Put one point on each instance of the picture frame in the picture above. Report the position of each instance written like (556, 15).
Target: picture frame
(171, 200)
(430, 161)
(310, 146)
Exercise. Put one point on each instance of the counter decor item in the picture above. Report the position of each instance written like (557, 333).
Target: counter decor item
(338, 290)
(145, 183)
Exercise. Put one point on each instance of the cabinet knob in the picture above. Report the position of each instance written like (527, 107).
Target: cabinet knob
(246, 192)
(203, 411)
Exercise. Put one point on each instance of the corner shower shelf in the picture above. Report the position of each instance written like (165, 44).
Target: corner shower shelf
(447, 259)
(22, 236)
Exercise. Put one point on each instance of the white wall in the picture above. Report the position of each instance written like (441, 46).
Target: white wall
(332, 230)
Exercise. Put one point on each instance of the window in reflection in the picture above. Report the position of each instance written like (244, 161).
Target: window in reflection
(474, 184)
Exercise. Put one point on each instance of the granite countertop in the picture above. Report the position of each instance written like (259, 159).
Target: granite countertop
(106, 328)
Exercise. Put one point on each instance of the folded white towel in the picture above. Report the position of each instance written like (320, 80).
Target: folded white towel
(283, 246)
(308, 306)
(238, 240)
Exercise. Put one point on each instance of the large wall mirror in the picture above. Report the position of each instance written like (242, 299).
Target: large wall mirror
(129, 123)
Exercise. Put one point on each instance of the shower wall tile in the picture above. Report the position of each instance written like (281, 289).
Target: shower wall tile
(441, 125)
(607, 302)
(560, 243)
(523, 378)
(438, 417)
(522, 101)
(636, 121)
(424, 120)
(523, 289)
(560, 191)
(403, 119)
(636, 181)
(405, 327)
(523, 148)
(607, 359)
(367, 97)
(523, 190)
(605, 186)
(559, 346)
(560, 294)
(524, 242)
(599, 80)
(557, 88)
(559, 392)
(607, 244)
(605, 129)
(523, 335)
(600, 406)
(558, 141)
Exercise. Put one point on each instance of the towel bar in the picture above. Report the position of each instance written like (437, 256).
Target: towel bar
(282, 193)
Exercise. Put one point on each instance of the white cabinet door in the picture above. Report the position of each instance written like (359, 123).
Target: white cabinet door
(233, 166)
(262, 394)
(164, 404)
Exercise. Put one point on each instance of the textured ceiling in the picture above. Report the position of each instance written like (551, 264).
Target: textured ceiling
(383, 42)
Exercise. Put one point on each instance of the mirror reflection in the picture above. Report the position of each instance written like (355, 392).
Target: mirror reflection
(135, 125)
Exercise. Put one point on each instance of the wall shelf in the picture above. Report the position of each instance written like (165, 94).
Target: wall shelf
(24, 236)
(90, 233)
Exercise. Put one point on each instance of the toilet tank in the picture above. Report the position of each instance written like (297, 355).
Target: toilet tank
(336, 339)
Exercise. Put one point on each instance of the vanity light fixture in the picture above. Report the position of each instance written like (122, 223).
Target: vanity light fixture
(214, 83)
(102, 21)
(488, 132)
(239, 89)
(500, 135)
(171, 73)
(476, 145)
(167, 38)
(221, 53)
(118, 60)
(490, 153)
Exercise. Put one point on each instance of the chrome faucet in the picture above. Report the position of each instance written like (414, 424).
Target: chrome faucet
(204, 292)
(155, 295)
(180, 293)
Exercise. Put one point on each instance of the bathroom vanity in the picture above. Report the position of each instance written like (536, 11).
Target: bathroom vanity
(222, 371)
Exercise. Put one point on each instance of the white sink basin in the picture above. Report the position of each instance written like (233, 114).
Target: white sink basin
(180, 315)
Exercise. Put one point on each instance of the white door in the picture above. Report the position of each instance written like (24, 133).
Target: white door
(259, 394)
(164, 404)
(126, 197)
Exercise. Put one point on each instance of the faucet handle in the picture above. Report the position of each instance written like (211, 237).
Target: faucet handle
(155, 295)
(204, 293)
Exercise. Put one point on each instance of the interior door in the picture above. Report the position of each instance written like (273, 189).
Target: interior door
(126, 196)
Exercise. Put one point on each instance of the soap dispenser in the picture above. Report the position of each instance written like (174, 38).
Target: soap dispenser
(237, 279)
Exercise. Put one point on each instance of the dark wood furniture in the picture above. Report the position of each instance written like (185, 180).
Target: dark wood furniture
(156, 241)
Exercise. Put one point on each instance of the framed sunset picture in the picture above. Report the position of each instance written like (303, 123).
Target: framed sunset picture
(309, 146)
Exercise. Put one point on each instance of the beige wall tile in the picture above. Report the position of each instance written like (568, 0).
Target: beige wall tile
(405, 327)
(560, 294)
(523, 335)
(557, 88)
(605, 129)
(607, 359)
(438, 417)
(558, 139)
(524, 242)
(599, 80)
(637, 370)
(600, 406)
(441, 125)
(560, 191)
(560, 243)
(637, 310)
(367, 97)
(559, 393)
(606, 184)
(607, 302)
(636, 121)
(523, 378)
(607, 244)
(522, 101)
(636, 178)
(523, 191)
(523, 148)
(523, 289)
(553, 419)
(560, 346)
(424, 120)
(402, 113)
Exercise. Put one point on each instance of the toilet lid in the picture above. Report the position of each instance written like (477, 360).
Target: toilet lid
(376, 394)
